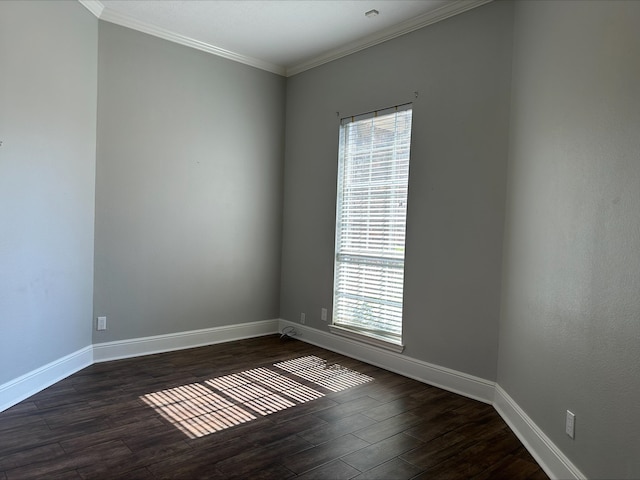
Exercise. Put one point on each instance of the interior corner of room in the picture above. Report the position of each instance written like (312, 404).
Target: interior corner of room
(191, 200)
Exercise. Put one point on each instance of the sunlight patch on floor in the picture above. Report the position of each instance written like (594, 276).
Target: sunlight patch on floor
(200, 409)
(333, 377)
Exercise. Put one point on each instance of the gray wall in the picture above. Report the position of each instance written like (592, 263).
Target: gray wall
(570, 329)
(189, 221)
(461, 68)
(188, 189)
(48, 69)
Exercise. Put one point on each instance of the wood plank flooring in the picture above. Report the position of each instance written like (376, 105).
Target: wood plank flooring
(150, 418)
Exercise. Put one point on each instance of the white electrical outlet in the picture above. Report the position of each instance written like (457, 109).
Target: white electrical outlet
(303, 318)
(323, 314)
(102, 323)
(570, 427)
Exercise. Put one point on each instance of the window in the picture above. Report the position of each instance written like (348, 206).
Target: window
(373, 176)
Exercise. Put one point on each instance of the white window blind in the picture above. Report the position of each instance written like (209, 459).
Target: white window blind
(373, 176)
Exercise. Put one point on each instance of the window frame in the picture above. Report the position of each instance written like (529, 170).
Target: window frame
(346, 160)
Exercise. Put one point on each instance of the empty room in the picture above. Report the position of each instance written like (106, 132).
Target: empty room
(393, 239)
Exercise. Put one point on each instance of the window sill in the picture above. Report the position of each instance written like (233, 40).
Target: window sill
(376, 342)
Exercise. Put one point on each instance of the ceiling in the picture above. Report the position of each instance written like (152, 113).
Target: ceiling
(281, 36)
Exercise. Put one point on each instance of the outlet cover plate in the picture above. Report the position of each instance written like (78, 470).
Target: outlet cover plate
(570, 427)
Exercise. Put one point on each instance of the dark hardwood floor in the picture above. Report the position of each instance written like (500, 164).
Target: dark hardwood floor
(225, 411)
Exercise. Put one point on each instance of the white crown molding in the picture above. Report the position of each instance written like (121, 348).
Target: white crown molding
(449, 9)
(544, 451)
(109, 15)
(94, 6)
(36, 380)
(442, 377)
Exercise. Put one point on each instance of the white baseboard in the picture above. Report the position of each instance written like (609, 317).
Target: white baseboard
(23, 387)
(548, 456)
(448, 379)
(546, 453)
(135, 347)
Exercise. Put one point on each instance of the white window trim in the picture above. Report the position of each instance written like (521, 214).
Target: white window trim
(368, 338)
(391, 342)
